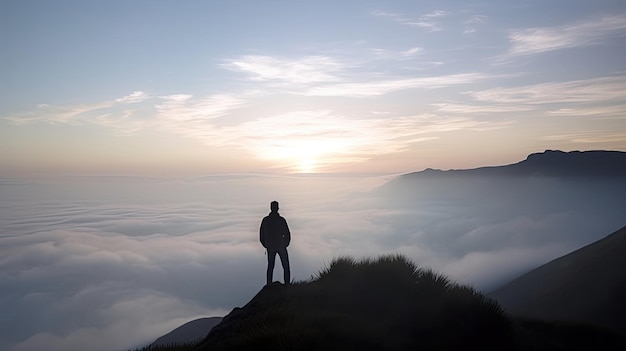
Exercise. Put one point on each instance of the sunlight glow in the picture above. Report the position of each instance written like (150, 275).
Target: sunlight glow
(307, 165)
(304, 156)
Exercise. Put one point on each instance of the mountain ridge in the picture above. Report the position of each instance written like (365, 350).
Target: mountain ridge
(550, 163)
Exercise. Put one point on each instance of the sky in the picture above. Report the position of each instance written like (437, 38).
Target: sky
(141, 143)
(203, 87)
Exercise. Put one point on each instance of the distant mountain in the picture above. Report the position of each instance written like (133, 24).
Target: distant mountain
(189, 332)
(549, 163)
(388, 304)
(587, 285)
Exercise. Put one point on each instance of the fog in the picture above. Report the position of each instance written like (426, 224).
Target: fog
(110, 263)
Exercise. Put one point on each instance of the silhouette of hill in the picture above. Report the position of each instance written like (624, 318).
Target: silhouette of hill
(547, 182)
(189, 332)
(586, 285)
(550, 163)
(387, 304)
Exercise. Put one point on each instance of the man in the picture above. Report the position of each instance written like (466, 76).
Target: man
(275, 237)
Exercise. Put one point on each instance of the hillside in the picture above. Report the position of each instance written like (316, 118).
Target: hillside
(588, 285)
(192, 331)
(387, 304)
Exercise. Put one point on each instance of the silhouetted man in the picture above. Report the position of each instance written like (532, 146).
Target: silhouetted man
(275, 237)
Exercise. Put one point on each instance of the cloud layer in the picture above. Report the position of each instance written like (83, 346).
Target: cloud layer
(115, 262)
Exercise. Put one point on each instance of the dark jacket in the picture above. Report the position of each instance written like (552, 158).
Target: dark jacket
(274, 232)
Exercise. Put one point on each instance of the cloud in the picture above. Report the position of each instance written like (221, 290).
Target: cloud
(478, 109)
(472, 23)
(585, 33)
(436, 14)
(376, 88)
(602, 112)
(134, 97)
(488, 268)
(595, 90)
(305, 70)
(141, 314)
(181, 113)
(391, 54)
(74, 114)
(328, 76)
(326, 138)
(117, 274)
(324, 75)
(116, 262)
(589, 137)
(107, 113)
(190, 111)
(466, 227)
(126, 268)
(476, 19)
(303, 140)
(426, 21)
(124, 121)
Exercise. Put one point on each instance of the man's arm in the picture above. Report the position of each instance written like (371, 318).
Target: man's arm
(287, 234)
(262, 233)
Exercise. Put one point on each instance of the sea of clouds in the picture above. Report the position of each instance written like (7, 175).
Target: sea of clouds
(110, 263)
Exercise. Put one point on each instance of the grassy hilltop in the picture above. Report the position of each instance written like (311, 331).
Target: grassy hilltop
(386, 303)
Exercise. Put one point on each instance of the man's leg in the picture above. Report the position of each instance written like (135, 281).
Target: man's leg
(284, 259)
(271, 259)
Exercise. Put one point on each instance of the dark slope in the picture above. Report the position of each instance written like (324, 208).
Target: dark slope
(387, 304)
(549, 163)
(586, 285)
(192, 331)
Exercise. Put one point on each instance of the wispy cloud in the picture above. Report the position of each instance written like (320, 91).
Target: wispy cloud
(181, 113)
(135, 96)
(70, 114)
(596, 90)
(381, 87)
(472, 23)
(476, 19)
(478, 109)
(538, 40)
(80, 113)
(394, 54)
(328, 76)
(604, 112)
(305, 70)
(185, 108)
(125, 121)
(426, 21)
(590, 137)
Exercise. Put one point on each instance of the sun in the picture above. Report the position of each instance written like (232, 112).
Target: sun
(307, 165)
(297, 155)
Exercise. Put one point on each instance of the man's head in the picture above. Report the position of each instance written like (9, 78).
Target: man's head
(274, 206)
